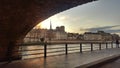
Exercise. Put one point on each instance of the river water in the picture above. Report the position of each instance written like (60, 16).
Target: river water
(58, 49)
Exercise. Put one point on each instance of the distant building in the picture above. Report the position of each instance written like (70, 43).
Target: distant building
(92, 36)
(115, 36)
(61, 29)
(48, 34)
(106, 37)
(60, 33)
(100, 35)
(73, 36)
(35, 34)
(80, 37)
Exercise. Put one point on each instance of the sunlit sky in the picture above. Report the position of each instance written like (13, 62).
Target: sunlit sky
(94, 16)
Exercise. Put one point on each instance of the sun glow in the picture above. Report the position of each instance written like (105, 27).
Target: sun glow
(45, 24)
(57, 20)
(54, 21)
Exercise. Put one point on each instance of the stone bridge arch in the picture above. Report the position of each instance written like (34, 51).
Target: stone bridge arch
(18, 17)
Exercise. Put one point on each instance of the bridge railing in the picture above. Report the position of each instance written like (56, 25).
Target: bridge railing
(35, 50)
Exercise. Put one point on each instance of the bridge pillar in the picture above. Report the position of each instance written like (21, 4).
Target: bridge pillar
(7, 50)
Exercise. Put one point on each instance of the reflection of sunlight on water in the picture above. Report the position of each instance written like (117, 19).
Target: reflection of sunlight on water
(58, 49)
(32, 52)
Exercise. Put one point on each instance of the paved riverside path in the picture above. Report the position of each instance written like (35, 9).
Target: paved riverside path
(63, 61)
(115, 64)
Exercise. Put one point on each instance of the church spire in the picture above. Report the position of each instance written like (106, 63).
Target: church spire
(50, 25)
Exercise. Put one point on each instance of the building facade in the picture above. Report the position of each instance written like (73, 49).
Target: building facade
(92, 36)
(35, 35)
(100, 36)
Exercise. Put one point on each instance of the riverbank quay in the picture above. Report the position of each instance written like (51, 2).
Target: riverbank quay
(73, 60)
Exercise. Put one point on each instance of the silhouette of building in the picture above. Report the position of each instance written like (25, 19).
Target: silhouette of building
(61, 29)
(50, 35)
(57, 34)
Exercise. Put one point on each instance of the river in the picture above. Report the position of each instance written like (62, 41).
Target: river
(58, 49)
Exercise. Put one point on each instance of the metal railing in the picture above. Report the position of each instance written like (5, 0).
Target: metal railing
(50, 49)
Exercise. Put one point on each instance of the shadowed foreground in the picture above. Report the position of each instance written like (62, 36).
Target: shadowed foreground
(65, 61)
(115, 64)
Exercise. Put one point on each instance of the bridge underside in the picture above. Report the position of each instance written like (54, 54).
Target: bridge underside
(18, 17)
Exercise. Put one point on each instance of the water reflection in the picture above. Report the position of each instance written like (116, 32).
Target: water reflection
(38, 50)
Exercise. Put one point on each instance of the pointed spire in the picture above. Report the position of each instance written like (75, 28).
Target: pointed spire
(50, 25)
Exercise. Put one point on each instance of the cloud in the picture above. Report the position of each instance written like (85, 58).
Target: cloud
(104, 28)
(113, 31)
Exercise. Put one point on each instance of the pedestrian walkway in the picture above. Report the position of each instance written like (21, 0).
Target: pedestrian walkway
(73, 60)
(114, 64)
